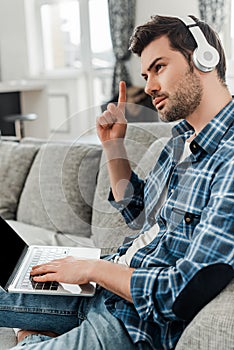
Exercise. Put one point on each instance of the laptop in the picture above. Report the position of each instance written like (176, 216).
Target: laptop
(19, 259)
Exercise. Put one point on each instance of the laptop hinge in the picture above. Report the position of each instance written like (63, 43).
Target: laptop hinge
(24, 252)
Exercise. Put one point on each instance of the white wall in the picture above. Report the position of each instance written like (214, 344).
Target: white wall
(147, 8)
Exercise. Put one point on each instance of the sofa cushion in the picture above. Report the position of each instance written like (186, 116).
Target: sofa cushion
(144, 143)
(213, 327)
(58, 193)
(15, 160)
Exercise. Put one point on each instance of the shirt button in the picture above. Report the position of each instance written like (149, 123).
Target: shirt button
(188, 220)
(194, 147)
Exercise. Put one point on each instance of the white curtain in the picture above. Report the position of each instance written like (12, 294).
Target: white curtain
(213, 13)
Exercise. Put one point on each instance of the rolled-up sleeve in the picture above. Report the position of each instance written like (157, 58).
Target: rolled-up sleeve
(132, 205)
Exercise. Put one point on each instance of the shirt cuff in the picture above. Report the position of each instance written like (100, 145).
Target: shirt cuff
(32, 339)
(128, 195)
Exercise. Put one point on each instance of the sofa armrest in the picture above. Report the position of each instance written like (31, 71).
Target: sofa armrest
(213, 327)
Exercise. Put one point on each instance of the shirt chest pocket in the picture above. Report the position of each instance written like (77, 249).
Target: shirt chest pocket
(183, 222)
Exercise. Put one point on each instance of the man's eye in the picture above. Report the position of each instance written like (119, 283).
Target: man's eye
(158, 67)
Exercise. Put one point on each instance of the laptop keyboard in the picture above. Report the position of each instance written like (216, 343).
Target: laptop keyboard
(44, 285)
(42, 256)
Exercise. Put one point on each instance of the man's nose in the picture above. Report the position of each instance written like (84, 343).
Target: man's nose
(152, 86)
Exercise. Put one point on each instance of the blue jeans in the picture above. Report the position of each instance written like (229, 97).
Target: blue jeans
(83, 323)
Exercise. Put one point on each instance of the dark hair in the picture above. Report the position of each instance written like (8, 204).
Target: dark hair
(179, 36)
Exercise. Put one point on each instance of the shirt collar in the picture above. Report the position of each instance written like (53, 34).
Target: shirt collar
(210, 136)
(181, 128)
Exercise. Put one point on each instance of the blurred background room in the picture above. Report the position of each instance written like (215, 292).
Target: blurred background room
(61, 60)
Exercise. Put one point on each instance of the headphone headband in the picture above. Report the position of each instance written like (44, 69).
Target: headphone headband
(205, 56)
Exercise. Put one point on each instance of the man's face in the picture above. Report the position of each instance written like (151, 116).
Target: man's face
(176, 91)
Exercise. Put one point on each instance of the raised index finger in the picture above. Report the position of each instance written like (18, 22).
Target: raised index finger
(122, 96)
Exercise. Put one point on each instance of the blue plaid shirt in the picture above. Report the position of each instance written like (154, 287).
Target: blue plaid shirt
(196, 227)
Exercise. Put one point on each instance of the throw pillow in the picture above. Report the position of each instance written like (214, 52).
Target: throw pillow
(59, 190)
(15, 160)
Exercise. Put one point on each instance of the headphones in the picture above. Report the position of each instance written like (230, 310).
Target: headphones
(205, 57)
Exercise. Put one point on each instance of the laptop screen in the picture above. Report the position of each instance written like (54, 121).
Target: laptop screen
(12, 248)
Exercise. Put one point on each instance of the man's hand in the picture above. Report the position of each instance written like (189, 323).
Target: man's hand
(66, 270)
(114, 277)
(112, 124)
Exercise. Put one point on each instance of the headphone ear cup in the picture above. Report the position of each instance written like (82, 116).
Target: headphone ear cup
(205, 58)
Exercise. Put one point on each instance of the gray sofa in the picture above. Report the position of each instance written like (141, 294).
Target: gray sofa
(56, 193)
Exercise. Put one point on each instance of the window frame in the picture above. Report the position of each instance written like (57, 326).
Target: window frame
(85, 39)
(87, 68)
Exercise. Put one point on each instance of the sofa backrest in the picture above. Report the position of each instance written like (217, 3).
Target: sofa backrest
(64, 187)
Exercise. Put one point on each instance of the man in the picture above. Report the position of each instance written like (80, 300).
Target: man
(183, 255)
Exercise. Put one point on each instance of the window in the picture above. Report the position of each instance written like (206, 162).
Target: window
(101, 46)
(60, 35)
(75, 35)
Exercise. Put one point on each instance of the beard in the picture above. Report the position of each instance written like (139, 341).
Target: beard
(185, 99)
